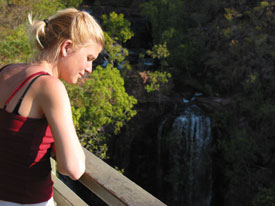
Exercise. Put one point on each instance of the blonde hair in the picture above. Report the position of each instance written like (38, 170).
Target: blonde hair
(48, 35)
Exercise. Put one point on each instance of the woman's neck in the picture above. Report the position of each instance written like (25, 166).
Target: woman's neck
(51, 68)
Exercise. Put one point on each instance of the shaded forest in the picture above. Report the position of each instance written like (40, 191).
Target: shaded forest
(224, 50)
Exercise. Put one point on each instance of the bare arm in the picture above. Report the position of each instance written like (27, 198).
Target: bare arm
(55, 104)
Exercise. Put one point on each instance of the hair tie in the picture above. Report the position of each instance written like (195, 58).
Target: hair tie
(46, 22)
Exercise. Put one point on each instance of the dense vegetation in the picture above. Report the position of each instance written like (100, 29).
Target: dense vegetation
(99, 103)
(224, 49)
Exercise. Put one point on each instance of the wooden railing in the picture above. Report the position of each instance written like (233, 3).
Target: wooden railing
(106, 183)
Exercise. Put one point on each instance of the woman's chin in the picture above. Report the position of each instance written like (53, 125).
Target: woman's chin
(71, 81)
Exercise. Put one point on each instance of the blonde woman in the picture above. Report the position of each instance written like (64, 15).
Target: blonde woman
(35, 112)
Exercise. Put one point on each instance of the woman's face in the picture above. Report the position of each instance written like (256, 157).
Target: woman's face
(74, 63)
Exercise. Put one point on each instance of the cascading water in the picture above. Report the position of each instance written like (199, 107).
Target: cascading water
(189, 161)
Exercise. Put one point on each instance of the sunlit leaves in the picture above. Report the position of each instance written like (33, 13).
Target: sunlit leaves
(156, 80)
(99, 103)
(117, 27)
(14, 43)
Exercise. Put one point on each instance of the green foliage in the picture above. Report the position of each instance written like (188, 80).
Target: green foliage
(15, 47)
(45, 8)
(160, 52)
(120, 170)
(265, 197)
(231, 14)
(239, 147)
(14, 12)
(156, 80)
(117, 27)
(100, 103)
(226, 49)
(164, 16)
(241, 46)
(239, 63)
(116, 53)
(101, 106)
(117, 31)
(72, 3)
(172, 26)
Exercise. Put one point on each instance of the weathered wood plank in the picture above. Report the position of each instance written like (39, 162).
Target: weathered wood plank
(112, 187)
(64, 196)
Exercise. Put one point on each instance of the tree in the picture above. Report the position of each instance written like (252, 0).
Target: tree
(101, 105)
(239, 61)
(117, 27)
(226, 49)
(14, 44)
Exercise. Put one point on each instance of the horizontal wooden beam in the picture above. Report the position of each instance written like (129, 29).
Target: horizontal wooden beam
(112, 187)
(64, 196)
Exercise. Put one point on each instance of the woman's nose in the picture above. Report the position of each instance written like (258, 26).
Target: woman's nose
(88, 69)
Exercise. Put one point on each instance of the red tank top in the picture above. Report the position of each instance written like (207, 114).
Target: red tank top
(25, 148)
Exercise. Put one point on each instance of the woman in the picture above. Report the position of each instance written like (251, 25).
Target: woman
(35, 109)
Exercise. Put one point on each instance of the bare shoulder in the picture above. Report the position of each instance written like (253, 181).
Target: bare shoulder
(51, 89)
(48, 84)
(50, 81)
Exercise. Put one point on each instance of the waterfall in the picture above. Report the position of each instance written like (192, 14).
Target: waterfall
(189, 160)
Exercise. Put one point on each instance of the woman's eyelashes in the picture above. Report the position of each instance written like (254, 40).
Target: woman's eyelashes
(90, 58)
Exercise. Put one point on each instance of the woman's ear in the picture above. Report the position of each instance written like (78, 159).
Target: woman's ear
(66, 48)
